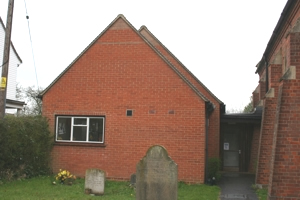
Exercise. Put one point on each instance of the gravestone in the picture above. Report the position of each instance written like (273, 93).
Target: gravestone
(156, 176)
(133, 180)
(94, 181)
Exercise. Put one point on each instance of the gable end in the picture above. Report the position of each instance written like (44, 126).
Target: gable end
(155, 40)
(115, 24)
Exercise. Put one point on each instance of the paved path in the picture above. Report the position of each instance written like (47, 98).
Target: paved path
(235, 186)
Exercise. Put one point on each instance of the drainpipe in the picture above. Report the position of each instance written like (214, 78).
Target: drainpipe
(267, 73)
(209, 108)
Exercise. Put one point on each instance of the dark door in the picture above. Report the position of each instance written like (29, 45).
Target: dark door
(245, 138)
(236, 147)
(231, 152)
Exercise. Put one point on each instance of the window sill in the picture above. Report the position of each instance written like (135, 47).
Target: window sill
(79, 144)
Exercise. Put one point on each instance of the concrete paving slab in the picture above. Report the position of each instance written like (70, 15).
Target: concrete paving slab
(237, 186)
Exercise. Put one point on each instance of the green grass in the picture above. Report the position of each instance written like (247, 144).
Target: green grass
(42, 188)
(262, 194)
(197, 192)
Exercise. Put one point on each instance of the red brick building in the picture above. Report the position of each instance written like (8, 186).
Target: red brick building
(267, 141)
(124, 93)
(278, 163)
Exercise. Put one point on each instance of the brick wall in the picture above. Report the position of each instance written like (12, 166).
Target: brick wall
(214, 119)
(279, 146)
(295, 51)
(267, 125)
(284, 176)
(265, 142)
(262, 85)
(118, 72)
(255, 97)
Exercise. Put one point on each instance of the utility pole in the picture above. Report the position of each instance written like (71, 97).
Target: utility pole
(4, 76)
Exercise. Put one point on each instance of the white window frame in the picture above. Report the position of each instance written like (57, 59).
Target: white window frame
(80, 125)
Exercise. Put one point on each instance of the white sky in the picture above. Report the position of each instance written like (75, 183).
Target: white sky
(219, 41)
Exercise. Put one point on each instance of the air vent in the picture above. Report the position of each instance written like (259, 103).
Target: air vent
(129, 113)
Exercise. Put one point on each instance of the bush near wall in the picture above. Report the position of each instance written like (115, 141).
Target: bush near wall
(214, 165)
(25, 146)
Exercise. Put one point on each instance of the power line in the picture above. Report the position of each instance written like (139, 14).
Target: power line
(27, 17)
(4, 63)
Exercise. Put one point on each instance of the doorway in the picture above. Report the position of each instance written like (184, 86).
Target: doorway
(236, 147)
(231, 157)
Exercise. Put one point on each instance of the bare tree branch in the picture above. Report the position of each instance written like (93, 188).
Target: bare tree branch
(30, 96)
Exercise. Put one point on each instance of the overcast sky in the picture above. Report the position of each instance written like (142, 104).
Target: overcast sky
(219, 41)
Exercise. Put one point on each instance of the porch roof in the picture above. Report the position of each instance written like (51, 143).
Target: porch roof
(14, 104)
(253, 117)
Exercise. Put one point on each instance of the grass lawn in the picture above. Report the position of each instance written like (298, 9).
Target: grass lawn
(42, 188)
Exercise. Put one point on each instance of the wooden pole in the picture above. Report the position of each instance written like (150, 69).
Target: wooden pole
(4, 77)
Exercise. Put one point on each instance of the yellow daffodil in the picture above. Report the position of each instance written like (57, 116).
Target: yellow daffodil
(63, 175)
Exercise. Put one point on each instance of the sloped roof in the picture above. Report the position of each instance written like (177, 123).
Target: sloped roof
(283, 21)
(2, 25)
(147, 42)
(180, 63)
(14, 103)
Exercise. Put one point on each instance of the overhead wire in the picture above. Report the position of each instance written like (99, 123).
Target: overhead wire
(27, 17)
(4, 64)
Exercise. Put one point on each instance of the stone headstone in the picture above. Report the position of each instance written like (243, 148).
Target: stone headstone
(156, 176)
(133, 179)
(94, 181)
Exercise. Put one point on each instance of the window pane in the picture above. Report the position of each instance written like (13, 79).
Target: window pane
(79, 133)
(96, 130)
(63, 129)
(80, 121)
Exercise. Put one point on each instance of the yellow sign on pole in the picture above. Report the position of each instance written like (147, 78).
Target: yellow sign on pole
(3, 83)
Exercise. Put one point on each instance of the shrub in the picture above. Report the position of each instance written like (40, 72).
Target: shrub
(25, 146)
(214, 165)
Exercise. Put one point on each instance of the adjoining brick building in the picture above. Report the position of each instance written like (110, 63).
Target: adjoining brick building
(124, 93)
(267, 141)
(278, 163)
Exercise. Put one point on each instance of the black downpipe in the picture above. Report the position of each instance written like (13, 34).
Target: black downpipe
(267, 74)
(206, 146)
(209, 107)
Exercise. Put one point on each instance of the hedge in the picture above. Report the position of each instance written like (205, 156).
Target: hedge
(25, 146)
